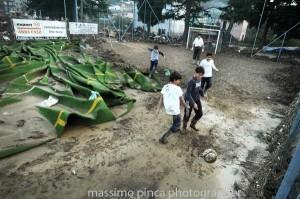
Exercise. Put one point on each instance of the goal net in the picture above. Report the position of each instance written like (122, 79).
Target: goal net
(210, 37)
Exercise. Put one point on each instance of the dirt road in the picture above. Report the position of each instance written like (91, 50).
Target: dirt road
(244, 106)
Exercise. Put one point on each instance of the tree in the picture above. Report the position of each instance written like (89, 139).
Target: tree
(92, 8)
(279, 15)
(185, 9)
(55, 8)
(148, 14)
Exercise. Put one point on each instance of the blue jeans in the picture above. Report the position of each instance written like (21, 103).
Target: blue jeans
(153, 66)
(176, 123)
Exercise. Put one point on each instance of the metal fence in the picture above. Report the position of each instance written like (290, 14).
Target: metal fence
(289, 186)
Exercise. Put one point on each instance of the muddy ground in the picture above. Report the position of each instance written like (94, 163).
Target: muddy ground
(246, 103)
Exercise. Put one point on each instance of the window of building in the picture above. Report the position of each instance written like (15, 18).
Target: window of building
(8, 6)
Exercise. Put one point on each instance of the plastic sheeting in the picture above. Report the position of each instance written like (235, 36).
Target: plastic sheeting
(36, 70)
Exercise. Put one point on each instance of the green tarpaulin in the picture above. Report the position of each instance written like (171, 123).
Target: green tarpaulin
(84, 87)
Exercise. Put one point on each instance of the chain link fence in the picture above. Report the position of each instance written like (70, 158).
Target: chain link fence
(276, 47)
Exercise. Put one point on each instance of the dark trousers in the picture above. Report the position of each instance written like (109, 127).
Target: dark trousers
(176, 123)
(153, 66)
(197, 53)
(198, 113)
(206, 83)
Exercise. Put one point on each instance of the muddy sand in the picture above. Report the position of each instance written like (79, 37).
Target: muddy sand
(247, 101)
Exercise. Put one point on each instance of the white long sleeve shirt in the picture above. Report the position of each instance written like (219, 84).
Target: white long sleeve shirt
(208, 66)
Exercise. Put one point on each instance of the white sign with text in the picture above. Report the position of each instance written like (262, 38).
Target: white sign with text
(83, 28)
(27, 29)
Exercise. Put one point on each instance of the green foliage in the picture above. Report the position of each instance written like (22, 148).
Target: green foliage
(92, 7)
(192, 9)
(147, 15)
(279, 15)
(55, 8)
(191, 6)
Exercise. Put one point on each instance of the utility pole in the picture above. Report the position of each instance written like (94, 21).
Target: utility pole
(144, 22)
(133, 24)
(65, 8)
(76, 10)
(81, 10)
(122, 16)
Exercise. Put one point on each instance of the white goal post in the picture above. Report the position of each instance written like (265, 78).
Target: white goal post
(210, 37)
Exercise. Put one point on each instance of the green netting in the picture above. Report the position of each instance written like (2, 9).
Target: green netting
(86, 87)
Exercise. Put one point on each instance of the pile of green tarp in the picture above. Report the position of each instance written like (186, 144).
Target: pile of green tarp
(86, 87)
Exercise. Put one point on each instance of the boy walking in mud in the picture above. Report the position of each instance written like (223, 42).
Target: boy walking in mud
(192, 98)
(154, 56)
(208, 64)
(171, 96)
(197, 47)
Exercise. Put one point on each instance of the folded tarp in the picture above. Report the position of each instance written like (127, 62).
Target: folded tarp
(277, 49)
(36, 70)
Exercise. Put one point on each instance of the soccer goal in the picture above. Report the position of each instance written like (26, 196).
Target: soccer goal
(210, 37)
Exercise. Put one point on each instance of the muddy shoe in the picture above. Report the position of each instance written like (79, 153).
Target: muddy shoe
(194, 128)
(163, 141)
(193, 125)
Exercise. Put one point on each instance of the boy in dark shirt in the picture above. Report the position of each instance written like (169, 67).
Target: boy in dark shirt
(192, 97)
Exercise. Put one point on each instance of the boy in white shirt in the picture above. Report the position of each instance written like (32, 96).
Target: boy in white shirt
(154, 56)
(198, 45)
(171, 96)
(208, 64)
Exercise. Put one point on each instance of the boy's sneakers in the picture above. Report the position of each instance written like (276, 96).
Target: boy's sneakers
(156, 71)
(193, 125)
(163, 141)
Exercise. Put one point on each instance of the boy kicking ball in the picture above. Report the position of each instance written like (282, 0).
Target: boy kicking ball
(192, 98)
(171, 96)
